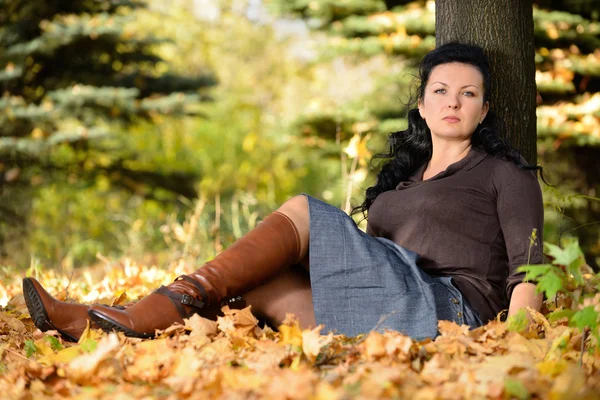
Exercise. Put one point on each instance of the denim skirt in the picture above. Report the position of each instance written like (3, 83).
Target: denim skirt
(360, 283)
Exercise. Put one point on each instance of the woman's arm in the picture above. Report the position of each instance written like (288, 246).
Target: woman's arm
(524, 295)
(520, 213)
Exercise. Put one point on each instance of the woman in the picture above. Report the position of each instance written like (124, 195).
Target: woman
(449, 221)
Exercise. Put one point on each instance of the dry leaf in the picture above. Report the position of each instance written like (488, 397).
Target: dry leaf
(313, 342)
(83, 367)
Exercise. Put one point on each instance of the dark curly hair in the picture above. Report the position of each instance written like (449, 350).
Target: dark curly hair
(411, 148)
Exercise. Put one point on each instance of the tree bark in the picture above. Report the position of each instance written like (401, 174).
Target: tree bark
(504, 29)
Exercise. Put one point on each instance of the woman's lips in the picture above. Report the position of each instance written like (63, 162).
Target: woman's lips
(452, 119)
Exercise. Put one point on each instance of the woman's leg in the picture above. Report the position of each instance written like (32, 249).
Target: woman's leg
(277, 243)
(287, 292)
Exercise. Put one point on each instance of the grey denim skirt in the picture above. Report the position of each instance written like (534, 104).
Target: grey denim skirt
(360, 283)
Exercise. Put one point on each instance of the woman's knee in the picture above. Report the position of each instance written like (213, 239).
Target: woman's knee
(296, 209)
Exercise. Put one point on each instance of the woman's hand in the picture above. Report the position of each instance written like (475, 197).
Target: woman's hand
(524, 295)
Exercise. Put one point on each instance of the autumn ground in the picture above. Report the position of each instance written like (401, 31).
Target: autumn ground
(234, 358)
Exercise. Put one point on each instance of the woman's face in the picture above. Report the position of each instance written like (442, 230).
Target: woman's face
(453, 105)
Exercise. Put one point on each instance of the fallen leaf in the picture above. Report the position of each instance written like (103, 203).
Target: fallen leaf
(82, 367)
(290, 331)
(313, 342)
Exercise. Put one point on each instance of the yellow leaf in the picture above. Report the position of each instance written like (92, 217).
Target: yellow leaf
(451, 328)
(568, 385)
(188, 364)
(200, 326)
(153, 358)
(558, 346)
(43, 348)
(83, 367)
(290, 332)
(535, 348)
(237, 323)
(398, 344)
(436, 371)
(266, 357)
(495, 368)
(89, 334)
(552, 368)
(67, 355)
(295, 366)
(313, 342)
(123, 296)
(375, 345)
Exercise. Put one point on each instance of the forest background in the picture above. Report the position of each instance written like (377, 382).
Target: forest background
(165, 131)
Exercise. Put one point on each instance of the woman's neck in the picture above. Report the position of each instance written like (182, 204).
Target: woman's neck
(444, 154)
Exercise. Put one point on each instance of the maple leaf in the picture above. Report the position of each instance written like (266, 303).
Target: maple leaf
(451, 328)
(200, 326)
(237, 322)
(233, 358)
(313, 342)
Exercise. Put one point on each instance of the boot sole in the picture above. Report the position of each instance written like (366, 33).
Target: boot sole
(38, 313)
(109, 325)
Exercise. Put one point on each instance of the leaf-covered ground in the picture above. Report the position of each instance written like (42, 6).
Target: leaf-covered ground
(234, 358)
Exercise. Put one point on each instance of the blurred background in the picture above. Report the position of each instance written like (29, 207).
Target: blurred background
(164, 130)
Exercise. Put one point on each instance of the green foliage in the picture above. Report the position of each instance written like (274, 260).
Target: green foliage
(30, 348)
(571, 257)
(518, 322)
(549, 278)
(76, 77)
(240, 162)
(565, 274)
(516, 389)
(54, 342)
(570, 286)
(568, 74)
(585, 318)
(108, 146)
(89, 345)
(327, 11)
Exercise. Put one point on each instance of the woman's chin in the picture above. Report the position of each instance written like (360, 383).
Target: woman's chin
(452, 135)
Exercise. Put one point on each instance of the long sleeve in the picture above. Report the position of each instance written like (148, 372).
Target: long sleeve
(520, 211)
(471, 222)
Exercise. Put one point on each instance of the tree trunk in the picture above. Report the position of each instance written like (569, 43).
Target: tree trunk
(504, 29)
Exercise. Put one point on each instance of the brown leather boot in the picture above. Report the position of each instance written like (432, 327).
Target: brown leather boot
(69, 319)
(252, 260)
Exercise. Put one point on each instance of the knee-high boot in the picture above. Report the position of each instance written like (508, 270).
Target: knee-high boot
(252, 260)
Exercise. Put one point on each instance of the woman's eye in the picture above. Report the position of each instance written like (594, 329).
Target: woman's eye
(440, 91)
(469, 94)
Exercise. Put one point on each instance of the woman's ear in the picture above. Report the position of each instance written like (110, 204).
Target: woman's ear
(420, 105)
(484, 111)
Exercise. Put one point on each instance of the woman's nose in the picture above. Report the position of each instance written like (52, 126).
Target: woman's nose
(454, 104)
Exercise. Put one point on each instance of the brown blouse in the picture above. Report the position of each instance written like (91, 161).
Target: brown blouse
(472, 221)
